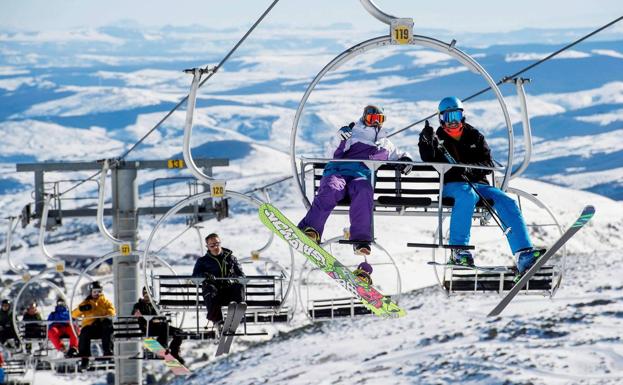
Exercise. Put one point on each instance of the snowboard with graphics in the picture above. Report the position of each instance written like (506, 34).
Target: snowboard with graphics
(371, 298)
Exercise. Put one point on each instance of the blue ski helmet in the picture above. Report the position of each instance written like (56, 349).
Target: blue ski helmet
(450, 103)
(450, 110)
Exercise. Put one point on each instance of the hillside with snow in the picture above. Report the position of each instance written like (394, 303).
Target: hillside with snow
(91, 94)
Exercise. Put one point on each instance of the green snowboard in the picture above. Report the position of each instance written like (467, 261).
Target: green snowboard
(371, 298)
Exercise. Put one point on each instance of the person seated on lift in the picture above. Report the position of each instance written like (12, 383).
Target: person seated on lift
(158, 326)
(363, 139)
(466, 145)
(60, 327)
(215, 266)
(97, 312)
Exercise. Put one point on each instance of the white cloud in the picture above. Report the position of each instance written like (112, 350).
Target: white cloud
(527, 56)
(608, 52)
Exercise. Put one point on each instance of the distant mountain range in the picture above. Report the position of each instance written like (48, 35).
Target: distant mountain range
(97, 91)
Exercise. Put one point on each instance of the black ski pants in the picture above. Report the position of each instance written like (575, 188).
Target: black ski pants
(162, 331)
(101, 328)
(216, 296)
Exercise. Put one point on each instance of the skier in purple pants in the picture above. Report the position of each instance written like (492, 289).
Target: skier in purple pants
(361, 140)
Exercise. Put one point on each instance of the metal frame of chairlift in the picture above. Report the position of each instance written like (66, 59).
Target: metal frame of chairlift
(182, 280)
(217, 192)
(451, 50)
(344, 306)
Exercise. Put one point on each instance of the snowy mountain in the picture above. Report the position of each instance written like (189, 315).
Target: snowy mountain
(90, 94)
(114, 83)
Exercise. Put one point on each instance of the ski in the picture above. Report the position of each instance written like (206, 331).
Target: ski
(371, 298)
(231, 311)
(241, 309)
(584, 217)
(171, 362)
(487, 269)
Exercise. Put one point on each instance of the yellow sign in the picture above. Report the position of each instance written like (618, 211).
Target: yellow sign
(60, 266)
(255, 255)
(125, 249)
(218, 189)
(175, 163)
(401, 31)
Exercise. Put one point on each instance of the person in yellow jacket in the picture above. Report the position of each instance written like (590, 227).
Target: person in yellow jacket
(96, 311)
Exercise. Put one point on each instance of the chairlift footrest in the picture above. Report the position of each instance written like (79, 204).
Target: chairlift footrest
(352, 242)
(438, 246)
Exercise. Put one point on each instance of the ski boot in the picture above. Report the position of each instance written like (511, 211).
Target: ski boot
(71, 352)
(363, 272)
(526, 258)
(461, 258)
(312, 234)
(362, 248)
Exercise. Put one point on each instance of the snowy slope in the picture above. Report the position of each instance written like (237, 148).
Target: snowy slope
(572, 339)
(88, 106)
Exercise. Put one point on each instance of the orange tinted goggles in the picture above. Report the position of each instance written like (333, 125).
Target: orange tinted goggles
(371, 119)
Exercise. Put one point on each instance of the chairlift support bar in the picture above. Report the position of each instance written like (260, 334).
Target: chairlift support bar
(525, 120)
(40, 169)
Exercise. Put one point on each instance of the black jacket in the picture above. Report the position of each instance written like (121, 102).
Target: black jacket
(223, 265)
(146, 308)
(472, 148)
(6, 319)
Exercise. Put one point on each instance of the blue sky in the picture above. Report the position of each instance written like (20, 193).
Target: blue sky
(454, 15)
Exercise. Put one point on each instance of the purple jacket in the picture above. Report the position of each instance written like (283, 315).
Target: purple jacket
(365, 143)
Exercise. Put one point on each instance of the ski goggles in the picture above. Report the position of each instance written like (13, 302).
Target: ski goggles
(371, 119)
(453, 116)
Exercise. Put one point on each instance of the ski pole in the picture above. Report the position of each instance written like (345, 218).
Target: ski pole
(505, 229)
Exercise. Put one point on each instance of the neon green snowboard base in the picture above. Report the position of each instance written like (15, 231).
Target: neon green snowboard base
(371, 298)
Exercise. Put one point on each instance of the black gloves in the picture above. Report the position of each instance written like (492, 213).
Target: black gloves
(85, 307)
(427, 132)
(209, 276)
(405, 168)
(346, 132)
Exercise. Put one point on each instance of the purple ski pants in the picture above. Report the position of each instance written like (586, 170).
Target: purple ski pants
(334, 188)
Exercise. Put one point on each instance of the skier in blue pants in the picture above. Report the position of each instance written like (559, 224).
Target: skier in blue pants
(468, 146)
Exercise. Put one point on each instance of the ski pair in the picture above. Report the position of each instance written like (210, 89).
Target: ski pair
(171, 362)
(371, 298)
(585, 216)
(235, 313)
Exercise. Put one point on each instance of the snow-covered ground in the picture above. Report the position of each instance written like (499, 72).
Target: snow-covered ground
(573, 338)
(91, 104)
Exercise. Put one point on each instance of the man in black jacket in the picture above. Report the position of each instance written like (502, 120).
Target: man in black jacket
(218, 262)
(7, 331)
(158, 326)
(466, 145)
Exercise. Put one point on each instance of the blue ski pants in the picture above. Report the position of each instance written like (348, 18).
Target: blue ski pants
(465, 199)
